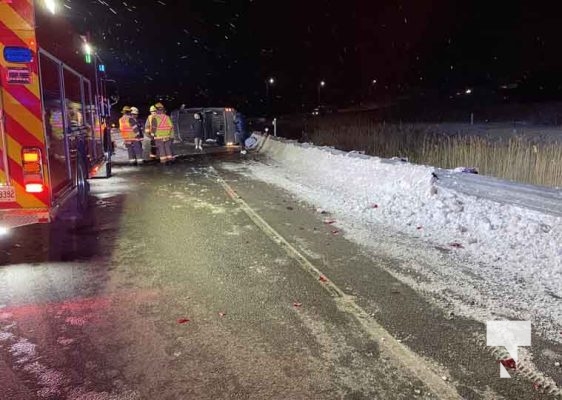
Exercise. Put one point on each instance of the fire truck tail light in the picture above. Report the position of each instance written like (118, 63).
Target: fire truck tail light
(32, 170)
(34, 187)
(31, 156)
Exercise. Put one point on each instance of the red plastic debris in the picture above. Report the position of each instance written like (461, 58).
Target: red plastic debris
(509, 363)
(456, 245)
(322, 278)
(183, 320)
(222, 314)
(374, 206)
(329, 221)
(536, 386)
(296, 304)
(335, 232)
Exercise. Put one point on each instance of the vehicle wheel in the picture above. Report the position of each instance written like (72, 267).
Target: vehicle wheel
(82, 186)
(108, 168)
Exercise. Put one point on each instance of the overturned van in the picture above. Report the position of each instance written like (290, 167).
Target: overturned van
(218, 125)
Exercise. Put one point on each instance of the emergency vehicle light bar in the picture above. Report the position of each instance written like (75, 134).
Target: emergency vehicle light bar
(18, 54)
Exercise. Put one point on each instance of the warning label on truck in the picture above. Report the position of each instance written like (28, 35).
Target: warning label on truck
(18, 76)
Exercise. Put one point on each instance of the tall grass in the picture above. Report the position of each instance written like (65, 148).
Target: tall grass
(517, 158)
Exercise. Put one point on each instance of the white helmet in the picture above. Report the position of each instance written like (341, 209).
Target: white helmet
(196, 116)
(134, 110)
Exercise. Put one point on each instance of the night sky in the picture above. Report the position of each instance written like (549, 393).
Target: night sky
(219, 52)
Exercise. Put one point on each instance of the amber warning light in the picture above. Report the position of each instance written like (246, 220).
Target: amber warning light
(30, 157)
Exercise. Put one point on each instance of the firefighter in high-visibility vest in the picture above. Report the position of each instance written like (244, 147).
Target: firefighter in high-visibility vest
(131, 134)
(147, 124)
(162, 129)
(149, 145)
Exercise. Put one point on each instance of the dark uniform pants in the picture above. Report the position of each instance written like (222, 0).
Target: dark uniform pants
(164, 150)
(134, 148)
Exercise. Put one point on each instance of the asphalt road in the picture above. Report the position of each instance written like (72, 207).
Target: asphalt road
(192, 282)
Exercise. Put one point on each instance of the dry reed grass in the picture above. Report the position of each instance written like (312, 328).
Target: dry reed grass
(516, 158)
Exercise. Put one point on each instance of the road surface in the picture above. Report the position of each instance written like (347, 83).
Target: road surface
(192, 282)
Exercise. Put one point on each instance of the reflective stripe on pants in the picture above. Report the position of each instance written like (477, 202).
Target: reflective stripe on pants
(164, 150)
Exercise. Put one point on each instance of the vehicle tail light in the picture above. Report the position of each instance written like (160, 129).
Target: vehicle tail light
(31, 156)
(32, 170)
(34, 187)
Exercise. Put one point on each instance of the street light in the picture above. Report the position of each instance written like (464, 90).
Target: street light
(372, 87)
(320, 86)
(269, 82)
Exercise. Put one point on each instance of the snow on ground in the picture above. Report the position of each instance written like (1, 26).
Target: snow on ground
(486, 258)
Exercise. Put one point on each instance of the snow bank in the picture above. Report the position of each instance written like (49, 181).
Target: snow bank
(486, 258)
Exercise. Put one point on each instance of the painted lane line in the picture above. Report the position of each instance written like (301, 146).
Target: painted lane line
(420, 367)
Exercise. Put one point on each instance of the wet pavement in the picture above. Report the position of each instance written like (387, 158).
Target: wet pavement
(175, 288)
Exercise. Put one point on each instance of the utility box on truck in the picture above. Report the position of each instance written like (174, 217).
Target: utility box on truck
(218, 124)
(52, 115)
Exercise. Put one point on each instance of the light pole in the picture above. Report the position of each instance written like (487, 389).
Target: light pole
(372, 87)
(269, 82)
(320, 86)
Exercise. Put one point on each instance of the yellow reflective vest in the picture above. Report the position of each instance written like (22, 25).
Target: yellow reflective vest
(163, 124)
(127, 131)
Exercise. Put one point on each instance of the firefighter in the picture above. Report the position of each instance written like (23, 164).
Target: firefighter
(240, 131)
(162, 129)
(140, 135)
(149, 145)
(131, 134)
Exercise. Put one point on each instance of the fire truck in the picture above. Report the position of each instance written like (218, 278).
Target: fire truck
(52, 115)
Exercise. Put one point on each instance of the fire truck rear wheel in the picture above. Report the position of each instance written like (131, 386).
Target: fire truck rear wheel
(108, 169)
(82, 186)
